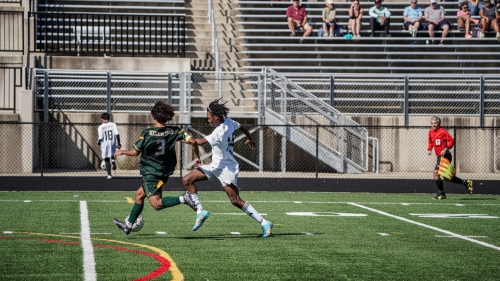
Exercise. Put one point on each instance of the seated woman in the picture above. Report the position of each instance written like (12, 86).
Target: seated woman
(355, 15)
(464, 19)
(328, 15)
(489, 18)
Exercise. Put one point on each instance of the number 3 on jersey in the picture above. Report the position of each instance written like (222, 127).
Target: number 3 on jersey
(230, 144)
(161, 147)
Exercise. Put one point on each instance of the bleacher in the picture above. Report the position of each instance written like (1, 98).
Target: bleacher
(111, 27)
(268, 43)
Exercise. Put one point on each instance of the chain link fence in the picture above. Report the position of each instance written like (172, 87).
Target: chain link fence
(70, 150)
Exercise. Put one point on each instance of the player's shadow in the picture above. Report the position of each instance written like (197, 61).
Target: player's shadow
(218, 237)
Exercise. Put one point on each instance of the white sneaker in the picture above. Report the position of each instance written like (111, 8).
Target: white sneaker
(427, 42)
(498, 35)
(109, 177)
(325, 35)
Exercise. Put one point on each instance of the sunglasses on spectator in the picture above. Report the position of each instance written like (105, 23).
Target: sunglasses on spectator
(413, 2)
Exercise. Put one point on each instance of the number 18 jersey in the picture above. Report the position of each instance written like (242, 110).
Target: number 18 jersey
(107, 133)
(157, 147)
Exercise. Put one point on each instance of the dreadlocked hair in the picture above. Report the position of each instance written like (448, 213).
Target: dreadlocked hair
(162, 112)
(219, 109)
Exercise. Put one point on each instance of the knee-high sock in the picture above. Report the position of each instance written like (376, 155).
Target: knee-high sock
(457, 180)
(249, 210)
(170, 201)
(194, 197)
(439, 184)
(134, 213)
(108, 166)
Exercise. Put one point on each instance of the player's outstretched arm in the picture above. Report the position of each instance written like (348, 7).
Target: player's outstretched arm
(130, 152)
(196, 150)
(249, 141)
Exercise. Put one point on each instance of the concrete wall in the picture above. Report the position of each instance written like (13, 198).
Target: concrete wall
(406, 149)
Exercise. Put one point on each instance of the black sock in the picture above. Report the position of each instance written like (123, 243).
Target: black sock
(108, 166)
(458, 180)
(440, 187)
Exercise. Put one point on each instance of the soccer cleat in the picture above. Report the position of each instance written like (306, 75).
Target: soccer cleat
(267, 229)
(113, 164)
(469, 185)
(109, 177)
(122, 226)
(200, 219)
(188, 201)
(440, 196)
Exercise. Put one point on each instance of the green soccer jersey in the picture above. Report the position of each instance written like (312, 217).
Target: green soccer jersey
(157, 147)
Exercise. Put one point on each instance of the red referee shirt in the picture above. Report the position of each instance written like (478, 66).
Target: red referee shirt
(440, 139)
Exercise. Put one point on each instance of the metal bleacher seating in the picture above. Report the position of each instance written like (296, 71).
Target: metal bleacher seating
(268, 43)
(110, 27)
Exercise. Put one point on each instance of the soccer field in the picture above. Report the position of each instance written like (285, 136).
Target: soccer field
(317, 236)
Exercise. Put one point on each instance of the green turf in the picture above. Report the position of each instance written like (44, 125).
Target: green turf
(45, 244)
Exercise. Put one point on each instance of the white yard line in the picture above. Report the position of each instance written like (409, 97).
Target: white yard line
(428, 226)
(88, 252)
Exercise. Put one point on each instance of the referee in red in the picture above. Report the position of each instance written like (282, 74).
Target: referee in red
(442, 142)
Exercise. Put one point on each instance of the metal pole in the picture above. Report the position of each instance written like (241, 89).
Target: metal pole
(46, 97)
(407, 103)
(260, 122)
(108, 93)
(481, 102)
(455, 150)
(170, 88)
(332, 91)
(317, 149)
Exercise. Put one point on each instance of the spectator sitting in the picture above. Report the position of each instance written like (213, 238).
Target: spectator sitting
(412, 16)
(464, 19)
(474, 6)
(435, 18)
(355, 15)
(379, 18)
(489, 18)
(297, 19)
(328, 14)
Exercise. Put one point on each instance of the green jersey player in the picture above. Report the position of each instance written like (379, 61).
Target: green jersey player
(158, 160)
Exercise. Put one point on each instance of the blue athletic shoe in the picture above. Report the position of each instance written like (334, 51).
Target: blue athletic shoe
(200, 219)
(267, 229)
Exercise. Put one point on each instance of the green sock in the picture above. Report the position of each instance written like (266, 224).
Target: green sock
(170, 201)
(135, 212)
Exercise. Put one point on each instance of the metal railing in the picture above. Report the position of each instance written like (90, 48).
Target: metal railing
(109, 34)
(10, 80)
(104, 91)
(11, 31)
(12, 1)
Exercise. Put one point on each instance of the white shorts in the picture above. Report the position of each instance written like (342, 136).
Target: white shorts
(226, 175)
(108, 149)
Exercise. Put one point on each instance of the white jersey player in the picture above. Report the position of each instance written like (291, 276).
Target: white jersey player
(223, 167)
(109, 140)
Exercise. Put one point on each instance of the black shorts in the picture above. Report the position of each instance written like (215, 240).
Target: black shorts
(447, 156)
(407, 25)
(440, 25)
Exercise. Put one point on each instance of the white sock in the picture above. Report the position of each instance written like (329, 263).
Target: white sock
(181, 198)
(249, 210)
(194, 197)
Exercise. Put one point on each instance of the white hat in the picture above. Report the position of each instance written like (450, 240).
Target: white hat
(329, 2)
(433, 1)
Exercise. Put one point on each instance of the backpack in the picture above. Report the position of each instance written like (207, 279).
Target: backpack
(476, 31)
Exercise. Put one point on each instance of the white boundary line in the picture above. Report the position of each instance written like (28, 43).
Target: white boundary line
(428, 226)
(88, 252)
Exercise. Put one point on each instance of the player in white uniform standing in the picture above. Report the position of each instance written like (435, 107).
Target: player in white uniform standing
(109, 140)
(223, 167)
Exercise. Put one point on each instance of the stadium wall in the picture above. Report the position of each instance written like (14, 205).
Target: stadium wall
(401, 149)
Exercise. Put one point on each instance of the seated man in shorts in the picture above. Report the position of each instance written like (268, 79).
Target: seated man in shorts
(435, 18)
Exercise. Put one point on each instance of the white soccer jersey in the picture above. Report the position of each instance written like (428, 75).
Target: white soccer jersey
(222, 142)
(107, 137)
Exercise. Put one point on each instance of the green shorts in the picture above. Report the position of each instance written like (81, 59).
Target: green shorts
(153, 184)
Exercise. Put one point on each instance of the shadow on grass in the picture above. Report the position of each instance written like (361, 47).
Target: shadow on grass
(218, 237)
(478, 199)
